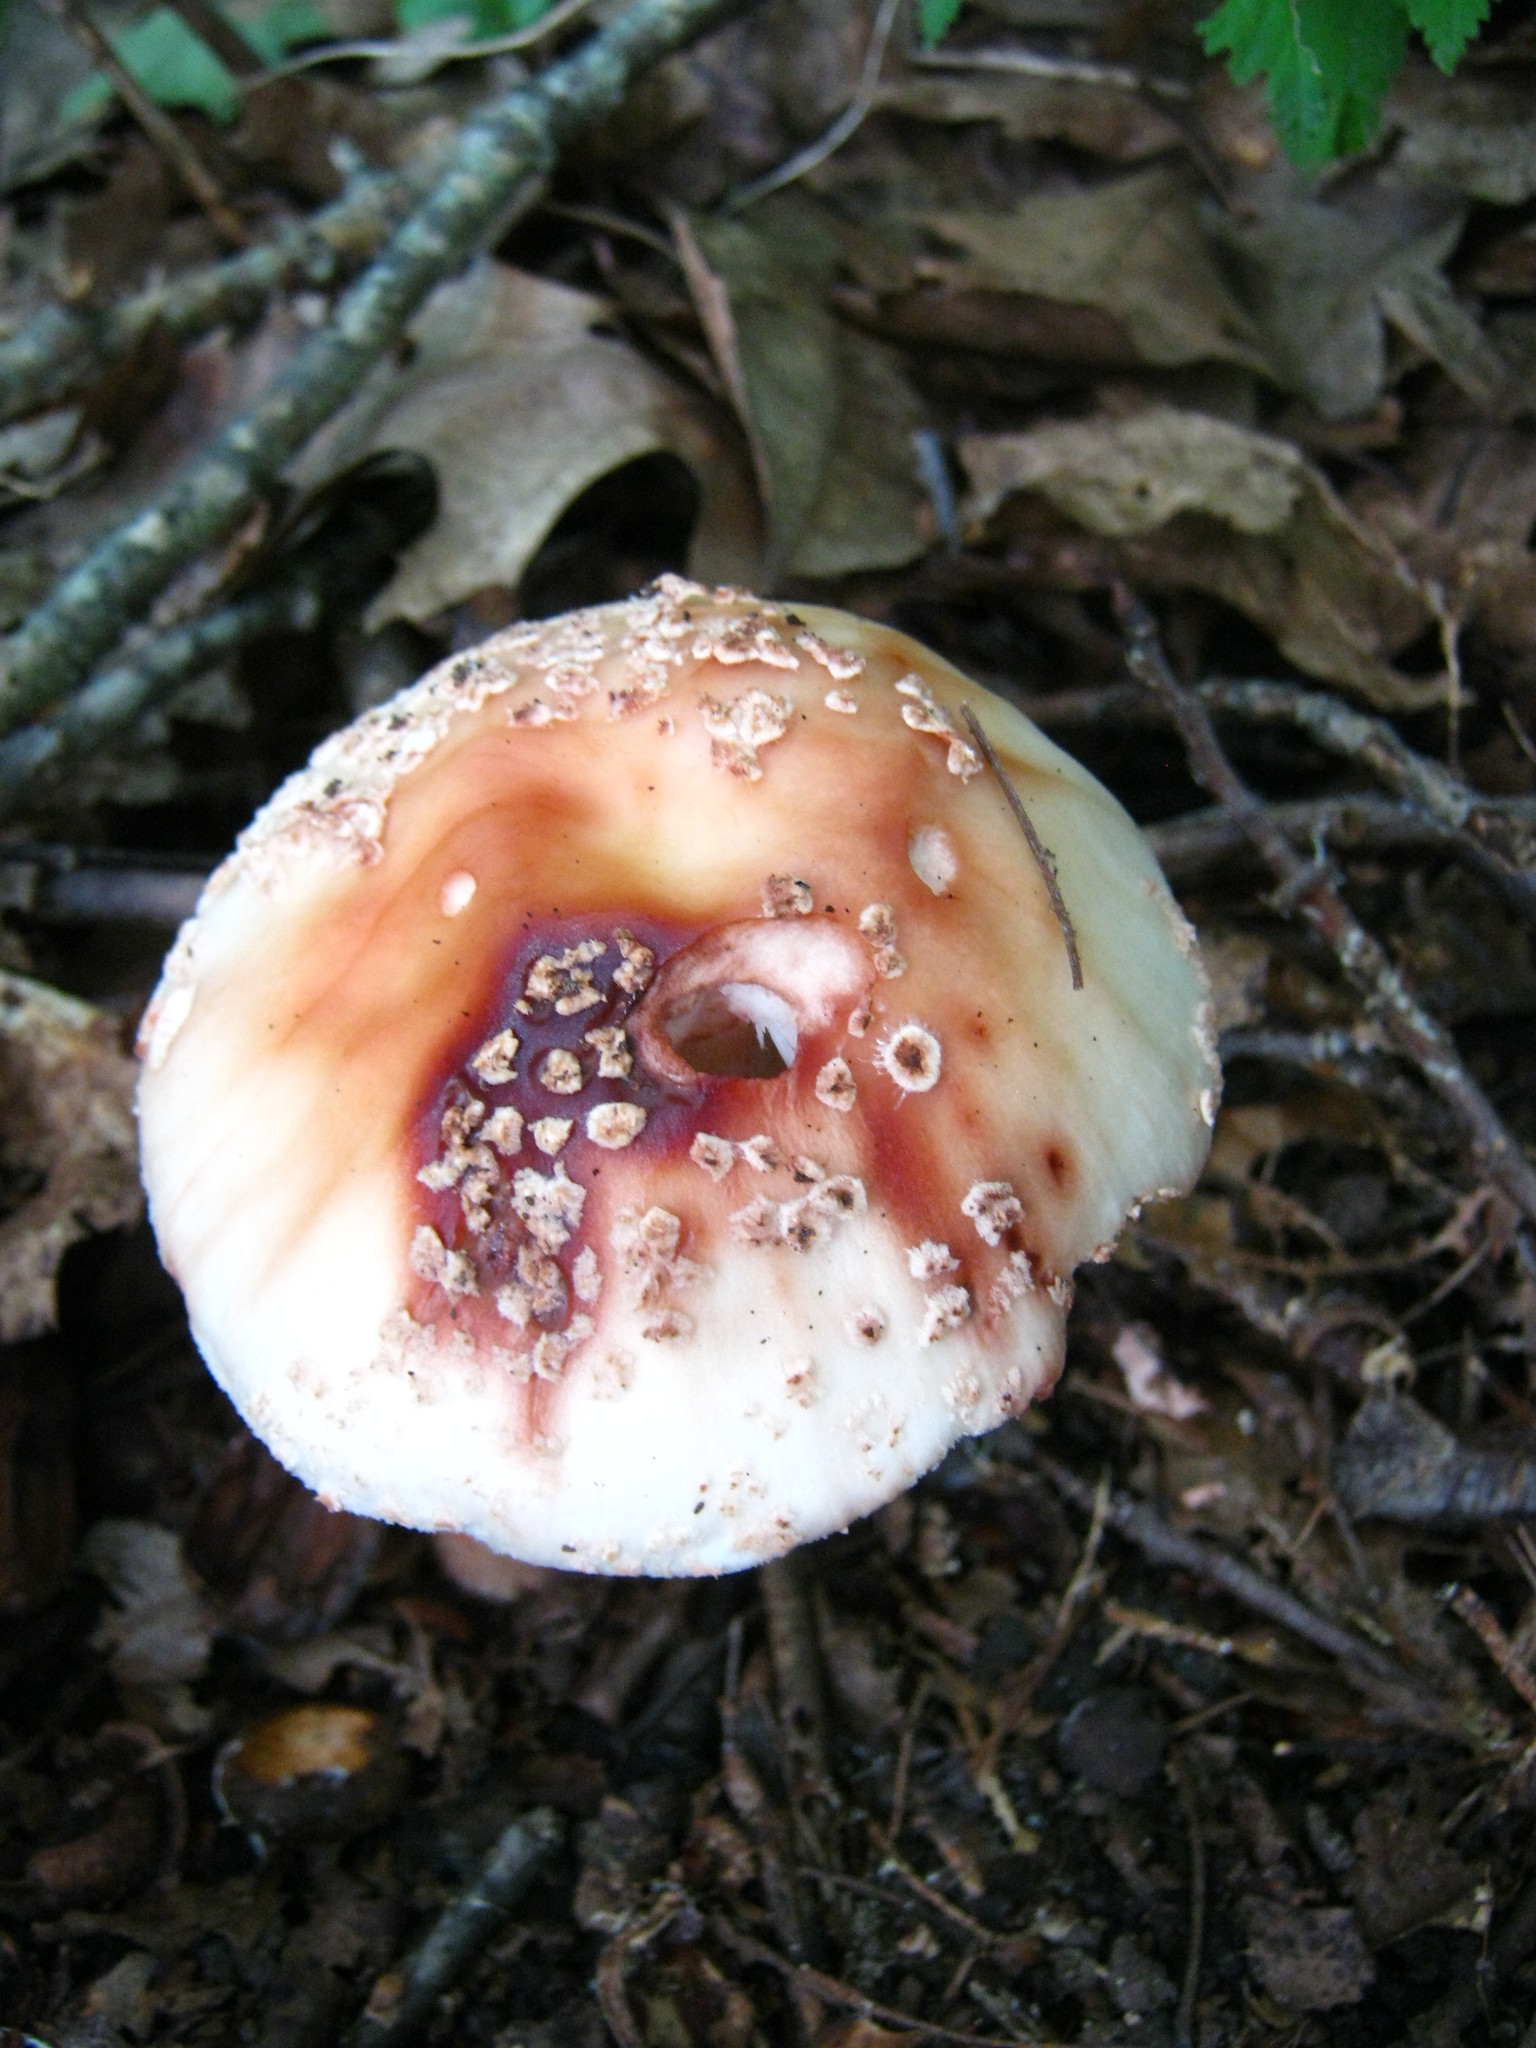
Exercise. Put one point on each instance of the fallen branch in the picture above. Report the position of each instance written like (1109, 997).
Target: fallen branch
(1507, 848)
(83, 885)
(496, 171)
(113, 703)
(1306, 888)
(1191, 845)
(1497, 838)
(1380, 1677)
(59, 351)
(403, 1999)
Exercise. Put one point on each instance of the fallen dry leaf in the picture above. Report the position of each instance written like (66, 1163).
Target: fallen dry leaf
(1109, 123)
(1207, 505)
(1471, 134)
(830, 412)
(1133, 249)
(68, 1148)
(1310, 1958)
(519, 406)
(1312, 270)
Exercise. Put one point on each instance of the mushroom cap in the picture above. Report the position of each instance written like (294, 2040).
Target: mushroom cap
(626, 1099)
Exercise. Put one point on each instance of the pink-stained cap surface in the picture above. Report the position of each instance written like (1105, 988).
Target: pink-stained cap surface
(625, 1100)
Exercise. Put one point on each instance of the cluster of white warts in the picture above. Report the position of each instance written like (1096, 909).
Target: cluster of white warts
(659, 635)
(806, 1221)
(475, 1140)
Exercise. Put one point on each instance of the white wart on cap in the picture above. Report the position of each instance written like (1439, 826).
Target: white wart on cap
(626, 1100)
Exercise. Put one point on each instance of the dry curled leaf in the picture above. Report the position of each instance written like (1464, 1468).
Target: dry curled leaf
(1197, 502)
(1133, 249)
(519, 406)
(829, 412)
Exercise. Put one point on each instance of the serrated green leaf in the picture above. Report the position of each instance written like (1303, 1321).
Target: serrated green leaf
(1262, 39)
(1327, 64)
(935, 19)
(1447, 27)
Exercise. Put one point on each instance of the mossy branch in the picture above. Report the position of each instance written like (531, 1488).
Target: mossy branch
(496, 170)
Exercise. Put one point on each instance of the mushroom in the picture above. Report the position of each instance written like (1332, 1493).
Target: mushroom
(627, 1100)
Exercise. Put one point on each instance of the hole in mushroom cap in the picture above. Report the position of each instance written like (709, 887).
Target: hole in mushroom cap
(738, 1002)
(736, 1029)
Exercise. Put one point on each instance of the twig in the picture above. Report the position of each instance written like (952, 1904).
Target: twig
(1060, 70)
(832, 1992)
(1184, 2017)
(402, 2000)
(69, 885)
(1432, 790)
(110, 705)
(1386, 991)
(712, 304)
(801, 1696)
(842, 129)
(631, 1940)
(1191, 845)
(497, 169)
(156, 123)
(1140, 1525)
(1043, 860)
(60, 349)
(909, 1725)
(1484, 1624)
(1495, 836)
(1513, 1939)
(238, 57)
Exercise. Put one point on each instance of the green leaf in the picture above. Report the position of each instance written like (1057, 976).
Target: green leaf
(177, 68)
(283, 26)
(935, 19)
(1328, 64)
(1447, 27)
(487, 17)
(174, 66)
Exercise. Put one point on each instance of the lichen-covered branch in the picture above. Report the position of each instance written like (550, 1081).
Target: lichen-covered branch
(112, 704)
(1198, 841)
(1389, 998)
(63, 347)
(1491, 837)
(498, 166)
(1506, 846)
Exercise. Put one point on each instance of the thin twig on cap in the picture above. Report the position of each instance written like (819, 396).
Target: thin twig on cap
(1037, 847)
(1306, 887)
